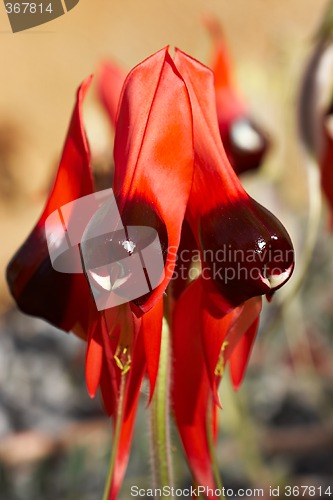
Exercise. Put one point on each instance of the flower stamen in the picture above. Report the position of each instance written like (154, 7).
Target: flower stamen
(220, 365)
(123, 359)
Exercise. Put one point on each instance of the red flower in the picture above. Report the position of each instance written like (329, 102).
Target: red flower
(62, 299)
(171, 173)
(224, 309)
(244, 141)
(150, 141)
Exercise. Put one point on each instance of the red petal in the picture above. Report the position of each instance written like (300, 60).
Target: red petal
(123, 450)
(118, 329)
(223, 77)
(154, 156)
(111, 324)
(241, 354)
(191, 392)
(197, 341)
(118, 325)
(214, 332)
(221, 64)
(94, 359)
(187, 250)
(249, 313)
(225, 218)
(74, 177)
(244, 142)
(212, 167)
(108, 394)
(61, 299)
(151, 330)
(110, 81)
(133, 385)
(218, 328)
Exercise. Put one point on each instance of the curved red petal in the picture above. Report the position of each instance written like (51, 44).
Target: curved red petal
(187, 251)
(123, 450)
(116, 327)
(107, 392)
(212, 167)
(221, 332)
(203, 342)
(191, 391)
(94, 359)
(225, 219)
(119, 331)
(244, 141)
(137, 371)
(214, 332)
(221, 64)
(226, 96)
(62, 299)
(241, 354)
(154, 156)
(110, 81)
(249, 314)
(131, 399)
(74, 177)
(110, 329)
(151, 330)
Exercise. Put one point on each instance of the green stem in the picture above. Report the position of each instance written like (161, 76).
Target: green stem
(116, 436)
(159, 421)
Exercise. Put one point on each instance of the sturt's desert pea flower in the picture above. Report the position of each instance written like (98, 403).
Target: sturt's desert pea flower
(171, 174)
(123, 342)
(244, 141)
(224, 317)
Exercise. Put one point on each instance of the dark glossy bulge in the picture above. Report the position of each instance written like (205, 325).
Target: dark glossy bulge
(246, 250)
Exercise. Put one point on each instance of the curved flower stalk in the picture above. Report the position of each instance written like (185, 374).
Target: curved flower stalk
(315, 111)
(171, 174)
(326, 167)
(245, 142)
(316, 88)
